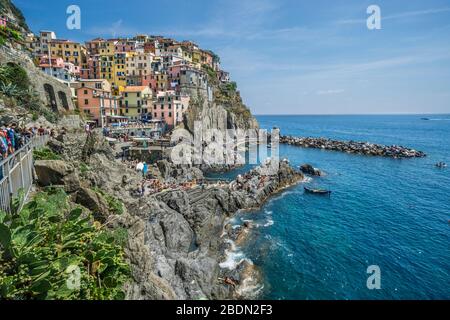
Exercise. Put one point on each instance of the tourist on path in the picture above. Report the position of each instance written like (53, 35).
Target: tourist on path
(144, 169)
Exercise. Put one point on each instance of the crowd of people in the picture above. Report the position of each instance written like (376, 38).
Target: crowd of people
(12, 137)
(250, 182)
(150, 184)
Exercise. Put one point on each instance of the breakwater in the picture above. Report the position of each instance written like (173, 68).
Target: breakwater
(363, 148)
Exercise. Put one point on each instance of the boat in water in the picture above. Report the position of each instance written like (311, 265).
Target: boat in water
(317, 191)
(441, 165)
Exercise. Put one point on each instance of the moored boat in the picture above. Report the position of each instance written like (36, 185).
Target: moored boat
(317, 191)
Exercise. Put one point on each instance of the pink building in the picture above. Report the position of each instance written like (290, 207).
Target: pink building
(3, 21)
(91, 70)
(93, 102)
(170, 107)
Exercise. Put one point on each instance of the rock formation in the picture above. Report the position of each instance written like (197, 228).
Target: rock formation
(175, 238)
(363, 148)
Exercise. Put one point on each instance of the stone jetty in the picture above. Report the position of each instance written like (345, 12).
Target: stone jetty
(363, 148)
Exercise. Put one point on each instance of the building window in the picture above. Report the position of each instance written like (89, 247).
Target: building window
(86, 101)
(85, 92)
(170, 114)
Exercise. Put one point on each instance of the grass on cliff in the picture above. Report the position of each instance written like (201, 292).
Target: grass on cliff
(45, 154)
(50, 250)
(114, 204)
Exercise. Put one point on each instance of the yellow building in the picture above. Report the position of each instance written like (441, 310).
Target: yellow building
(106, 60)
(136, 102)
(119, 70)
(69, 51)
(197, 58)
(187, 54)
(107, 47)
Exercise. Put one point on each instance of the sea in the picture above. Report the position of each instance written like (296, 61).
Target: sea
(389, 213)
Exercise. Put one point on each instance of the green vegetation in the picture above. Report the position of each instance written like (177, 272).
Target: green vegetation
(45, 154)
(49, 250)
(7, 5)
(15, 75)
(84, 168)
(114, 204)
(212, 74)
(231, 86)
(15, 89)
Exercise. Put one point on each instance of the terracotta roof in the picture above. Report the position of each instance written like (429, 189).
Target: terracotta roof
(135, 88)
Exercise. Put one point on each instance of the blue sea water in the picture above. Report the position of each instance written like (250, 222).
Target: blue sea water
(391, 213)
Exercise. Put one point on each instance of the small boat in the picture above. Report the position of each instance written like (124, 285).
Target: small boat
(441, 165)
(317, 191)
(426, 119)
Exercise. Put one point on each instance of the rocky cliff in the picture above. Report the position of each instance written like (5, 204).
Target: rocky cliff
(177, 238)
(219, 107)
(8, 9)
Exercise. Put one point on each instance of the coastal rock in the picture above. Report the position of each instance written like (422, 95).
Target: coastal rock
(52, 172)
(178, 174)
(354, 147)
(94, 202)
(310, 170)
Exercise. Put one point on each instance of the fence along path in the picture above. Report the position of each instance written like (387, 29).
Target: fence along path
(16, 172)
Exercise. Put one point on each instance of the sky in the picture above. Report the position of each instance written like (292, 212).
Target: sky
(292, 56)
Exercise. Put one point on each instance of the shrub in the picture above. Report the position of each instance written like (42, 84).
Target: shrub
(14, 74)
(48, 251)
(114, 204)
(84, 168)
(45, 154)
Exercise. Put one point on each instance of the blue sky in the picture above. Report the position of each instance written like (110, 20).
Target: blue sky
(292, 56)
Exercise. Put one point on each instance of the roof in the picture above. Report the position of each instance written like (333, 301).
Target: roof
(135, 88)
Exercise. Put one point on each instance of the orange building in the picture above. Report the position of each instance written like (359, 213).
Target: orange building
(96, 104)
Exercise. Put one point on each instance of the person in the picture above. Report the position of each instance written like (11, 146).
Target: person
(11, 137)
(41, 131)
(3, 144)
(140, 166)
(144, 169)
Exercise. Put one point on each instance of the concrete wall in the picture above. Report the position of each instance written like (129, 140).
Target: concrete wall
(53, 93)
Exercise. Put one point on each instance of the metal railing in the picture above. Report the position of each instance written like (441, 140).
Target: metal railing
(16, 172)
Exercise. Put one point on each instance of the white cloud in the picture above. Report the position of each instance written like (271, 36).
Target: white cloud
(329, 92)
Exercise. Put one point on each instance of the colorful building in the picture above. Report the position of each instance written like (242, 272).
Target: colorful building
(96, 104)
(170, 107)
(56, 67)
(69, 51)
(135, 102)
